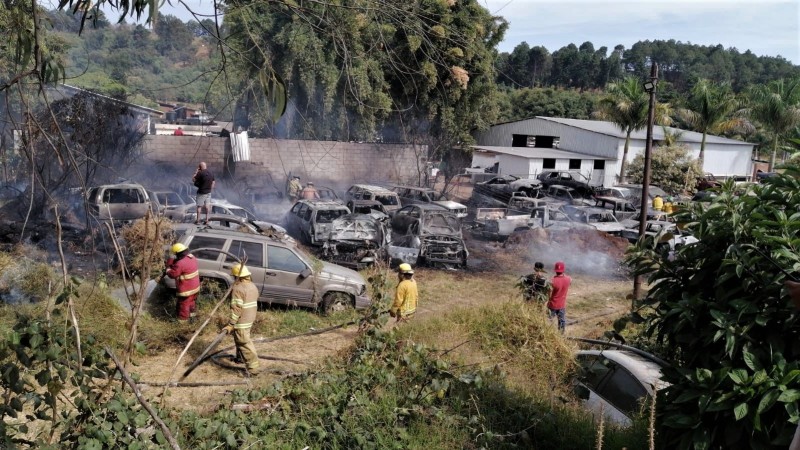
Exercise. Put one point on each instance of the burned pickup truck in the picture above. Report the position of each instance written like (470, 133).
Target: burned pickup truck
(356, 240)
(427, 234)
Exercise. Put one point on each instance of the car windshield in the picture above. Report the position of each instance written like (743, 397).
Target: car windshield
(329, 215)
(169, 198)
(241, 212)
(390, 200)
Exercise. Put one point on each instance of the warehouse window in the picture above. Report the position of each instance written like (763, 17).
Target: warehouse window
(599, 164)
(545, 141)
(574, 164)
(522, 140)
(549, 163)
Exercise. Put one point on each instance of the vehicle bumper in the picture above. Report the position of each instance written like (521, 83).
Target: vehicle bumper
(362, 301)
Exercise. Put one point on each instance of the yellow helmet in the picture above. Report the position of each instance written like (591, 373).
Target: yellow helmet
(240, 271)
(405, 268)
(178, 247)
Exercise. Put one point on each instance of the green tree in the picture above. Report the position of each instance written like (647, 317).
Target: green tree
(402, 71)
(626, 105)
(718, 306)
(776, 108)
(709, 109)
(671, 167)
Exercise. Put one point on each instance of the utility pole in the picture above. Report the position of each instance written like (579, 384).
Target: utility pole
(650, 87)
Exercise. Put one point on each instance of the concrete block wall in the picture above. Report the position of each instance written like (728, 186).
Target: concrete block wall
(338, 164)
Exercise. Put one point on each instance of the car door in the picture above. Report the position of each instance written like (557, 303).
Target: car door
(252, 253)
(208, 261)
(293, 220)
(284, 281)
(404, 217)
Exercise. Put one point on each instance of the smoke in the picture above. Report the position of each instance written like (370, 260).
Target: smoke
(583, 251)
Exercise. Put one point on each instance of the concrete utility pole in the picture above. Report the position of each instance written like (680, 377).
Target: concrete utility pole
(650, 87)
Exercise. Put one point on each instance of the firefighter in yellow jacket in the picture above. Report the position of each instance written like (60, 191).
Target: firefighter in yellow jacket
(405, 298)
(244, 304)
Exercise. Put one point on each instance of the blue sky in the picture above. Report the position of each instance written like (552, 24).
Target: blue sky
(765, 27)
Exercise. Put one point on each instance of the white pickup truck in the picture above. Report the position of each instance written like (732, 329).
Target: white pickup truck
(499, 223)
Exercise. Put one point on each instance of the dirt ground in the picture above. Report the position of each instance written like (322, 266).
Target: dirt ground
(594, 302)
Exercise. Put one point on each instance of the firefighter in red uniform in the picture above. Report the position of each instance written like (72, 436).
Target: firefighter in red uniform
(183, 268)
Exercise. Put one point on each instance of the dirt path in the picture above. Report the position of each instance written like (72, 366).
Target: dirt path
(311, 350)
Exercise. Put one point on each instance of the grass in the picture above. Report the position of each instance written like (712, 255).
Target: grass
(471, 320)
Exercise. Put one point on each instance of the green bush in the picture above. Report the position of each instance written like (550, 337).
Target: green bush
(732, 333)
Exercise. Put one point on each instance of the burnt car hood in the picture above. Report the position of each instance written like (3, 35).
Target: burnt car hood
(355, 227)
(435, 223)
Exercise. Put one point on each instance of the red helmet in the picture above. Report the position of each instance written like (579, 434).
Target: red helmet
(559, 268)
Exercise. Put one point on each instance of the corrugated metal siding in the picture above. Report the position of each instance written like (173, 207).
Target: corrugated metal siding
(725, 160)
(571, 138)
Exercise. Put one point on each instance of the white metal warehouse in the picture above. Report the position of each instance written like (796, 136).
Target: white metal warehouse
(593, 148)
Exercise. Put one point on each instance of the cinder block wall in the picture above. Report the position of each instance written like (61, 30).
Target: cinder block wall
(324, 162)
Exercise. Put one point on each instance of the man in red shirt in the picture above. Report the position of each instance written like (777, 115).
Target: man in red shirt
(557, 305)
(183, 268)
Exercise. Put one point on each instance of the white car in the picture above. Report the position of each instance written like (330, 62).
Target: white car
(618, 382)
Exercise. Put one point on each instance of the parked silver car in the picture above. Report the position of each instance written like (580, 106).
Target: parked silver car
(125, 201)
(283, 273)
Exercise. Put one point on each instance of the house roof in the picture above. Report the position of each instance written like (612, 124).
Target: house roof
(65, 89)
(538, 152)
(610, 129)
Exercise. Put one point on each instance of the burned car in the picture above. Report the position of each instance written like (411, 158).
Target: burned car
(427, 235)
(599, 218)
(501, 187)
(571, 179)
(311, 221)
(356, 240)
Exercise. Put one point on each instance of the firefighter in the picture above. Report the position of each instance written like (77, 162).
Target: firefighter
(244, 304)
(405, 298)
(309, 192)
(183, 268)
(294, 189)
(535, 286)
(658, 203)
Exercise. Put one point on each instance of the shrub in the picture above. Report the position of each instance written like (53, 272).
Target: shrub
(719, 306)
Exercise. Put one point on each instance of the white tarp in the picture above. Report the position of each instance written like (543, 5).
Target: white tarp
(240, 146)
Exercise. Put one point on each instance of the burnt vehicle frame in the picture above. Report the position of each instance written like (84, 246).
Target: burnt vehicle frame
(357, 240)
(433, 237)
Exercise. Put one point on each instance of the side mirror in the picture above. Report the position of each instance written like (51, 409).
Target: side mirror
(306, 273)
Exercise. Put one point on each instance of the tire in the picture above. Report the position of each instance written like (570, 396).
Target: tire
(336, 301)
(212, 288)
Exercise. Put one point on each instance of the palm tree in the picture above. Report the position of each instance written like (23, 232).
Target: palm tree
(776, 107)
(709, 109)
(626, 104)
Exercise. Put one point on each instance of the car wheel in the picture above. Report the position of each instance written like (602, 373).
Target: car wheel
(336, 301)
(212, 288)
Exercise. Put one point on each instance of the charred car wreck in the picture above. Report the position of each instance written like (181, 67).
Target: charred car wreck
(356, 240)
(427, 235)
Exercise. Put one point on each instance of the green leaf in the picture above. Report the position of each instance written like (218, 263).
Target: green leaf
(739, 376)
(740, 411)
(768, 400)
(789, 396)
(751, 360)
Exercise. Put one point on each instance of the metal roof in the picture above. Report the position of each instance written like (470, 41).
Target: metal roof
(538, 152)
(610, 129)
